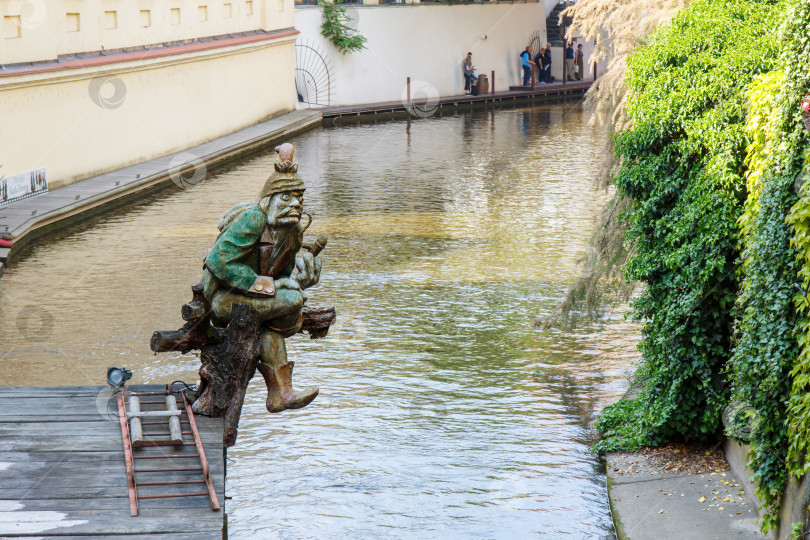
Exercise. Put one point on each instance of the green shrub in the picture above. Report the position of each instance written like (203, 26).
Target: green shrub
(713, 162)
(683, 167)
(767, 348)
(766, 345)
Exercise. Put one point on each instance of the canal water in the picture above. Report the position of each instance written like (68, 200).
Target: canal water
(443, 412)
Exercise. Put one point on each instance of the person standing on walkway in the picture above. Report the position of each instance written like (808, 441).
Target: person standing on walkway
(547, 63)
(469, 73)
(580, 63)
(569, 61)
(525, 60)
(541, 71)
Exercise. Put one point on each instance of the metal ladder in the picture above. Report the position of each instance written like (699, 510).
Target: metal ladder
(136, 445)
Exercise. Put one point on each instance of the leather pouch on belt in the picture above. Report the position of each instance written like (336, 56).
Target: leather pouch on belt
(263, 287)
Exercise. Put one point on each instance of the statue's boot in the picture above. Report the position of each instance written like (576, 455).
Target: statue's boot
(280, 393)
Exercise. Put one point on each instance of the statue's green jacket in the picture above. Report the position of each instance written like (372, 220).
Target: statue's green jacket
(234, 259)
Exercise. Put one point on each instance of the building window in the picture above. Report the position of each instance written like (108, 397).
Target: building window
(12, 26)
(228, 11)
(73, 24)
(111, 20)
(146, 18)
(175, 15)
(203, 13)
(249, 7)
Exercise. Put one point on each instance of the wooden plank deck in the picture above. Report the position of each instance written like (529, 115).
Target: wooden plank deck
(62, 470)
(514, 93)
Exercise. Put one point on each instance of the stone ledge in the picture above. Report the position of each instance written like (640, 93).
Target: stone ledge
(795, 499)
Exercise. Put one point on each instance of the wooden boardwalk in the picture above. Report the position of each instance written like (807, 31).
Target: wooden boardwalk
(572, 88)
(63, 472)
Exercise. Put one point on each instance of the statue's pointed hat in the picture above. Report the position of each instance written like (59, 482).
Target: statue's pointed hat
(285, 177)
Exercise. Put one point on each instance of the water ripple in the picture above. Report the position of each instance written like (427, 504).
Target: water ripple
(442, 413)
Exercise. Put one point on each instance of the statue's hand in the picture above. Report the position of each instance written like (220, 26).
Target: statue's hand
(307, 270)
(287, 283)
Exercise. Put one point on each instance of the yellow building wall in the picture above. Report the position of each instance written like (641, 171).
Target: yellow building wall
(84, 122)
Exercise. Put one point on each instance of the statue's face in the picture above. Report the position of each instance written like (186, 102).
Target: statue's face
(285, 208)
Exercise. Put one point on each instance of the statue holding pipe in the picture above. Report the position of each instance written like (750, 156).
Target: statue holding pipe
(252, 297)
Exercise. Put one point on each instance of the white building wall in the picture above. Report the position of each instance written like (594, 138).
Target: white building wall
(426, 43)
(82, 122)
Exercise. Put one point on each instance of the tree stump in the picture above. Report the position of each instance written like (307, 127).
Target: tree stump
(229, 355)
(227, 368)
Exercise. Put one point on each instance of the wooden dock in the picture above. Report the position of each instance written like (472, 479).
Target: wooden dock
(557, 89)
(63, 470)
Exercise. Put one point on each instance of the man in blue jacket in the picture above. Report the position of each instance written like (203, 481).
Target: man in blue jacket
(525, 58)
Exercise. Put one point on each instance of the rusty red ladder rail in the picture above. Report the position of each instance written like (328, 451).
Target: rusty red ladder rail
(130, 458)
(133, 489)
(212, 494)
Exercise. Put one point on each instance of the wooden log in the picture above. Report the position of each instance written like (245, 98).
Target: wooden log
(135, 428)
(227, 368)
(175, 432)
(196, 333)
(192, 311)
(189, 338)
(229, 356)
(317, 321)
(194, 336)
(199, 332)
(198, 307)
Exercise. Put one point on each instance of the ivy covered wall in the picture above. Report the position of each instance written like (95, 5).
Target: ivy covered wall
(714, 163)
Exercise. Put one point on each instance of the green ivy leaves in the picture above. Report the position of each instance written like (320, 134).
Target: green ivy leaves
(712, 163)
(334, 28)
(683, 167)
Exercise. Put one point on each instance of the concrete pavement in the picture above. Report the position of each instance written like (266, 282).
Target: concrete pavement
(648, 503)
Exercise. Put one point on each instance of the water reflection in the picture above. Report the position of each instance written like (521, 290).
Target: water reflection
(442, 412)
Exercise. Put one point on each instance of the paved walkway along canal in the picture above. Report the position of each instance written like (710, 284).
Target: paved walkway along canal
(676, 497)
(443, 412)
(29, 217)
